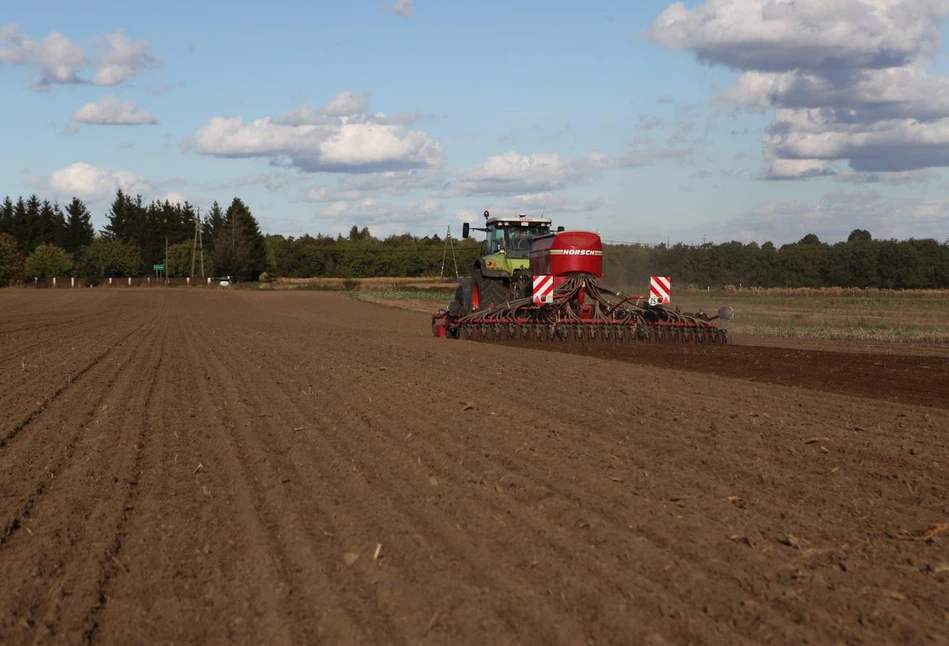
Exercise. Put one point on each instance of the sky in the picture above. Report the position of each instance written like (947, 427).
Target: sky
(645, 121)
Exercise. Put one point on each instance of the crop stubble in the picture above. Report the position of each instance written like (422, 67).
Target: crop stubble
(223, 467)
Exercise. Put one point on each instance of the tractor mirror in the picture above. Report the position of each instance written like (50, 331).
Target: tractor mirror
(464, 230)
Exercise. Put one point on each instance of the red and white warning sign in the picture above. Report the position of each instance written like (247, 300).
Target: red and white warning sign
(543, 289)
(660, 287)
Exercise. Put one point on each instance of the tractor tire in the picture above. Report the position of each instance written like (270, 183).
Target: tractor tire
(487, 292)
(461, 305)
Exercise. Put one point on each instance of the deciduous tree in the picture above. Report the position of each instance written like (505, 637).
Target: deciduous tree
(48, 261)
(106, 258)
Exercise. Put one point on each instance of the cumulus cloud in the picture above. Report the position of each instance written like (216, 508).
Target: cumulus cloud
(330, 148)
(346, 104)
(15, 47)
(59, 59)
(90, 183)
(513, 173)
(404, 8)
(847, 80)
(96, 186)
(780, 35)
(324, 141)
(110, 111)
(56, 59)
(123, 59)
(797, 168)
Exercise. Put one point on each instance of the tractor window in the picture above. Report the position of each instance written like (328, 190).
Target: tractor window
(495, 241)
(518, 243)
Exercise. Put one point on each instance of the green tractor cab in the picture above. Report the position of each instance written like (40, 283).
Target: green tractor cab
(502, 273)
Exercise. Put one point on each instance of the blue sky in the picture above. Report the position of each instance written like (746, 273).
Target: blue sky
(599, 112)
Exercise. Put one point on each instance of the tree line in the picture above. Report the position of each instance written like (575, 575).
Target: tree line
(860, 261)
(40, 239)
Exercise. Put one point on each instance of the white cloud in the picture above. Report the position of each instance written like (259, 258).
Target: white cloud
(110, 111)
(404, 8)
(882, 146)
(174, 197)
(346, 104)
(798, 168)
(511, 173)
(847, 80)
(90, 183)
(323, 142)
(784, 35)
(59, 59)
(123, 59)
(56, 59)
(15, 47)
(97, 186)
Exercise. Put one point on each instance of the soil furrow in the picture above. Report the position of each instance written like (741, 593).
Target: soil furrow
(24, 461)
(49, 399)
(377, 431)
(112, 565)
(267, 467)
(58, 560)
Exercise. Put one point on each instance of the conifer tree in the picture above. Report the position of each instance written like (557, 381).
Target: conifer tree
(6, 217)
(239, 249)
(79, 231)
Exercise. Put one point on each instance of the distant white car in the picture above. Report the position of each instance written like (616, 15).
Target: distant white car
(224, 283)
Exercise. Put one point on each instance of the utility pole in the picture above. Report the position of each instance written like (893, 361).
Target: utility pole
(194, 244)
(165, 266)
(201, 247)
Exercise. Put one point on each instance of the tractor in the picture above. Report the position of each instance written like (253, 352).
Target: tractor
(502, 273)
(533, 283)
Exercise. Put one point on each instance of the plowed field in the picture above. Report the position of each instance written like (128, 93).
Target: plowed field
(277, 468)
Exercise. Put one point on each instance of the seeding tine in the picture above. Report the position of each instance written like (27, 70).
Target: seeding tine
(584, 311)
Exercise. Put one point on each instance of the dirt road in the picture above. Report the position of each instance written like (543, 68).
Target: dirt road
(244, 467)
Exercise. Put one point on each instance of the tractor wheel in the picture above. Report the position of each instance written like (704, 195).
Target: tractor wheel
(487, 292)
(461, 305)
